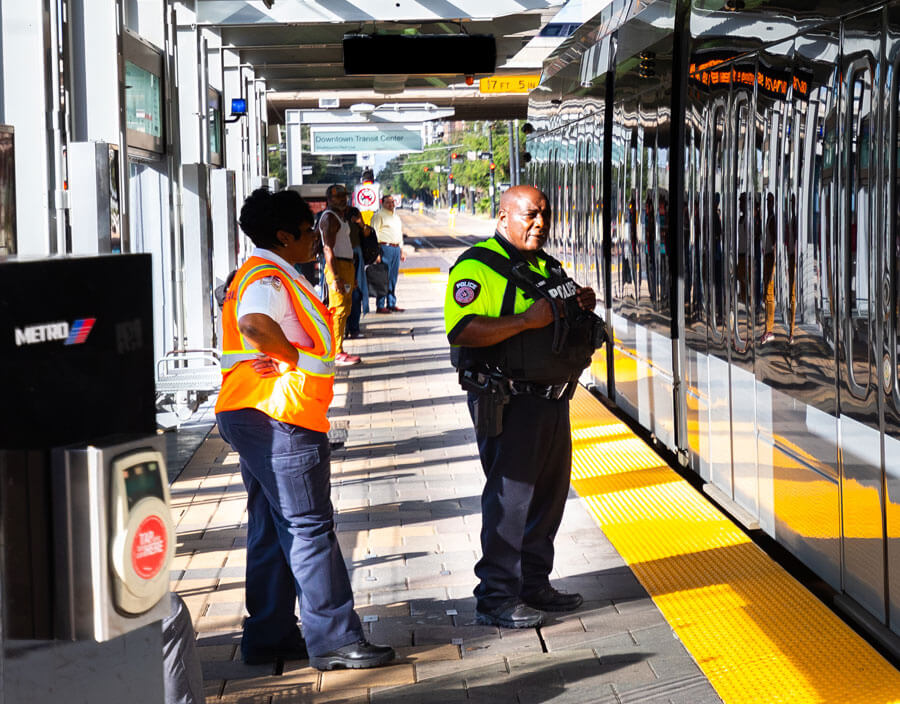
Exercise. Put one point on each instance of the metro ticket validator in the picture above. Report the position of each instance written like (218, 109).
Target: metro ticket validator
(112, 565)
(84, 511)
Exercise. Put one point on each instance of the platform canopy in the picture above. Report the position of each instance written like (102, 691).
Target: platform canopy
(296, 46)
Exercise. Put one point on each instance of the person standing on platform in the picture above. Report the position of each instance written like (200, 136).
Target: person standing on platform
(522, 332)
(360, 306)
(340, 275)
(389, 229)
(277, 383)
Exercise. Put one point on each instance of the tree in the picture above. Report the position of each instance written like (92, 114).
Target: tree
(407, 173)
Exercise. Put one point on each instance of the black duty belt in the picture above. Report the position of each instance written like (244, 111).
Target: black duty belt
(554, 392)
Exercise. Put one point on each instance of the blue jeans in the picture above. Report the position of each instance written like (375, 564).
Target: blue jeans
(360, 294)
(361, 282)
(391, 257)
(292, 550)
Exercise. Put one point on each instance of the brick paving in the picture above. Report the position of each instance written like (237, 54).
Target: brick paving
(406, 488)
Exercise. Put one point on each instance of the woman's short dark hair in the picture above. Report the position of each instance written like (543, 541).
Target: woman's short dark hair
(265, 213)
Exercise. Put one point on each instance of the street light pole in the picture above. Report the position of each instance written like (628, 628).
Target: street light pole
(491, 150)
(449, 180)
(512, 155)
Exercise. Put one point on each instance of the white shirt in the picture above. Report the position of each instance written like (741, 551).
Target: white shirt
(343, 249)
(269, 297)
(388, 227)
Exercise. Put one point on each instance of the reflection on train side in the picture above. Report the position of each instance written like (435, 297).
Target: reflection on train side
(749, 263)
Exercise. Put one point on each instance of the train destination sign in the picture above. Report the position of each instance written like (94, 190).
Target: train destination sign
(345, 139)
(509, 84)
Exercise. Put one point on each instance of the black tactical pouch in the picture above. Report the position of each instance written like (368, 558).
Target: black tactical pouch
(492, 395)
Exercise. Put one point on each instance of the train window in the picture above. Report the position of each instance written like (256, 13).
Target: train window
(716, 244)
(857, 235)
(742, 204)
(894, 251)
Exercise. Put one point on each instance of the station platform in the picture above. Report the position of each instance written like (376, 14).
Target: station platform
(680, 606)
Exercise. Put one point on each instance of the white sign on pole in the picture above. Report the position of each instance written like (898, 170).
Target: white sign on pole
(347, 139)
(471, 156)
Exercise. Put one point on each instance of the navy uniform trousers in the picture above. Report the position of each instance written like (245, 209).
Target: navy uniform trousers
(527, 469)
(292, 550)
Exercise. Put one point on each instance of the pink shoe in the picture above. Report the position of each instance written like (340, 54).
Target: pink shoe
(342, 359)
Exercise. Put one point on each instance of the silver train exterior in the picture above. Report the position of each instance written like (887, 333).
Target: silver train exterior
(726, 176)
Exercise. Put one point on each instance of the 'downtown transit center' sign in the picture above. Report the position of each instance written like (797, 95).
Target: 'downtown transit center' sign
(344, 139)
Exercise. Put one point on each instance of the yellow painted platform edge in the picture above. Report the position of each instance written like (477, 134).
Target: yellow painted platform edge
(735, 623)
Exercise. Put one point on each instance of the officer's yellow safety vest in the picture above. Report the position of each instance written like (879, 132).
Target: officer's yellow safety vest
(300, 396)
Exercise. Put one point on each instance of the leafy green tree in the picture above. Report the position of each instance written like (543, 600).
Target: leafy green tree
(407, 173)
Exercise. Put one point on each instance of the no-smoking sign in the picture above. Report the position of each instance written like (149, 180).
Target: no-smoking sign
(366, 197)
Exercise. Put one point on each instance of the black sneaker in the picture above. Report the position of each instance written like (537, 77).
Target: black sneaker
(549, 599)
(291, 648)
(511, 614)
(356, 656)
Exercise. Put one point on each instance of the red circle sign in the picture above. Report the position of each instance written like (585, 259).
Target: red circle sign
(148, 550)
(366, 197)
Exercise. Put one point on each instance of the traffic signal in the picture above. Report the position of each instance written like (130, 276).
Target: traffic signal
(425, 169)
(450, 176)
(646, 68)
(454, 155)
(493, 166)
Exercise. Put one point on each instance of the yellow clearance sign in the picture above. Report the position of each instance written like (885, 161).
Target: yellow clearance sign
(509, 84)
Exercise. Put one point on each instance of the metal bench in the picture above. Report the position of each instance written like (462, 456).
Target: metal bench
(184, 378)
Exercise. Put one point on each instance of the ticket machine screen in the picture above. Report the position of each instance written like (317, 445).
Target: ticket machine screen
(142, 480)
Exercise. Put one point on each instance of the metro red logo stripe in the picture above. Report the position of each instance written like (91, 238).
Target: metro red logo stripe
(80, 331)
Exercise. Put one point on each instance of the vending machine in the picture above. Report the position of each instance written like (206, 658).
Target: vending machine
(87, 536)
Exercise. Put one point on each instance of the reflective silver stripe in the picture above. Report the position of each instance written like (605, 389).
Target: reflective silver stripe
(231, 359)
(306, 362)
(321, 326)
(303, 296)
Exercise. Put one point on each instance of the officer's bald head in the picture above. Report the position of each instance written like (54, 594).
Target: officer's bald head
(512, 197)
(524, 218)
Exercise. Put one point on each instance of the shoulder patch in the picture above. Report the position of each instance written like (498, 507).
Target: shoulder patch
(465, 291)
(272, 281)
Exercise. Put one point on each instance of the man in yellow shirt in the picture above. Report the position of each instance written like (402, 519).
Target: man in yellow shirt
(389, 229)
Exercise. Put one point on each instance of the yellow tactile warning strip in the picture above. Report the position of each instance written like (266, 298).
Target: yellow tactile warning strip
(414, 270)
(757, 634)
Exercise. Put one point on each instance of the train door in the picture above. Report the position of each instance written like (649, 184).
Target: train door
(719, 377)
(695, 368)
(739, 192)
(890, 265)
(580, 234)
(862, 506)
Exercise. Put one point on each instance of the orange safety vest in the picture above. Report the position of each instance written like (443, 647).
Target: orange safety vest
(300, 396)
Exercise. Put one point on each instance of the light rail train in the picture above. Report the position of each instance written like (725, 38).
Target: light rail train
(725, 174)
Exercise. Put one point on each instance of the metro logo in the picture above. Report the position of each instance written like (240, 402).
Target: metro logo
(75, 334)
(45, 332)
(80, 331)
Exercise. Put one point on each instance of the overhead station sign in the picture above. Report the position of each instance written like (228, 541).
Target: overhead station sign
(344, 139)
(509, 84)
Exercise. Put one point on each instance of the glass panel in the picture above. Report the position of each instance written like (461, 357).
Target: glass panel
(858, 236)
(744, 219)
(143, 100)
(7, 192)
(717, 243)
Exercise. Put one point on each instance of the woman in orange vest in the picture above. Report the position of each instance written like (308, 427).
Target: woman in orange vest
(278, 377)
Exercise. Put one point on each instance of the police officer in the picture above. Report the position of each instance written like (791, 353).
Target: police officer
(522, 333)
